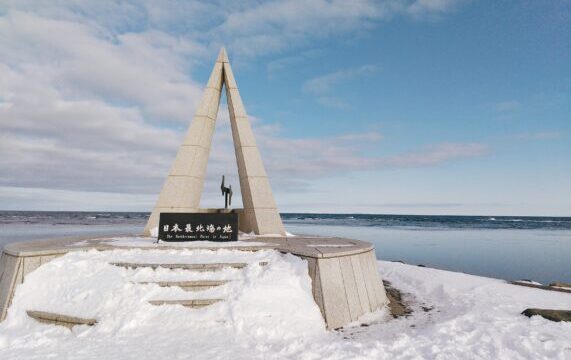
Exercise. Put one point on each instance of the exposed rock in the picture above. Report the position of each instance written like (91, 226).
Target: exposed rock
(396, 305)
(528, 281)
(542, 287)
(553, 315)
(561, 284)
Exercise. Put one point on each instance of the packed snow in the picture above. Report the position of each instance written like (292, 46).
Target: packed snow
(269, 313)
(142, 241)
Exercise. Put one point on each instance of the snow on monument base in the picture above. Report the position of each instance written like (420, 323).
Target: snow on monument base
(345, 283)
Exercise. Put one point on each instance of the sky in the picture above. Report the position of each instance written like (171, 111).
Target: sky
(457, 107)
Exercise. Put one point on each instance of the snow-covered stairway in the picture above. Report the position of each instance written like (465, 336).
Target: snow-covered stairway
(59, 319)
(194, 267)
(191, 303)
(185, 278)
(188, 285)
(194, 285)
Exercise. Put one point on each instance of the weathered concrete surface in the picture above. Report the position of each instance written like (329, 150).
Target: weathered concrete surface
(345, 280)
(183, 187)
(9, 268)
(260, 212)
(55, 247)
(346, 287)
(192, 285)
(59, 319)
(193, 267)
(191, 303)
(13, 271)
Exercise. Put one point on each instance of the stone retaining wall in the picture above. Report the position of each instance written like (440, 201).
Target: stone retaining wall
(346, 287)
(345, 280)
(13, 271)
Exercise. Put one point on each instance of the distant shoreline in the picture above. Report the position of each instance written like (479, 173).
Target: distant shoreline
(304, 213)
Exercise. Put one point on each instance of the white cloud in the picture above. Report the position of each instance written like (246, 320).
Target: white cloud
(310, 158)
(431, 8)
(322, 86)
(274, 67)
(47, 199)
(248, 28)
(436, 154)
(273, 26)
(147, 69)
(326, 83)
(85, 110)
(96, 95)
(276, 25)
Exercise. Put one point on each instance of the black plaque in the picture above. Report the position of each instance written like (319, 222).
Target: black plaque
(198, 227)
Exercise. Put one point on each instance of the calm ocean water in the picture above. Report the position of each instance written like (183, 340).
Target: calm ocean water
(536, 248)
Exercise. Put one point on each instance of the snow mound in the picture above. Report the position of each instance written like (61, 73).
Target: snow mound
(269, 314)
(263, 304)
(147, 242)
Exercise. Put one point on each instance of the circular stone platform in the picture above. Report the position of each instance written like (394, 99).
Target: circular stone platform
(345, 279)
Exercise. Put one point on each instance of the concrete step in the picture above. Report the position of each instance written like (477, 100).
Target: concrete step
(194, 267)
(59, 319)
(197, 285)
(191, 303)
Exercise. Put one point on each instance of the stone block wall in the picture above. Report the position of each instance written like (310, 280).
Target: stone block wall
(345, 280)
(346, 287)
(13, 271)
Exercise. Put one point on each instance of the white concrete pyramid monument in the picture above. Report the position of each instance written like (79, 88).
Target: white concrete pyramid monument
(183, 187)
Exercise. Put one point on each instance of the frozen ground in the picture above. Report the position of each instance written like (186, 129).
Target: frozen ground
(269, 313)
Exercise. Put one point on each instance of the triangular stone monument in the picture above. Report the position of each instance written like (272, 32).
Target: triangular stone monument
(183, 187)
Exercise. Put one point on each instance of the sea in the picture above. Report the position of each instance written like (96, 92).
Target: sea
(505, 247)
